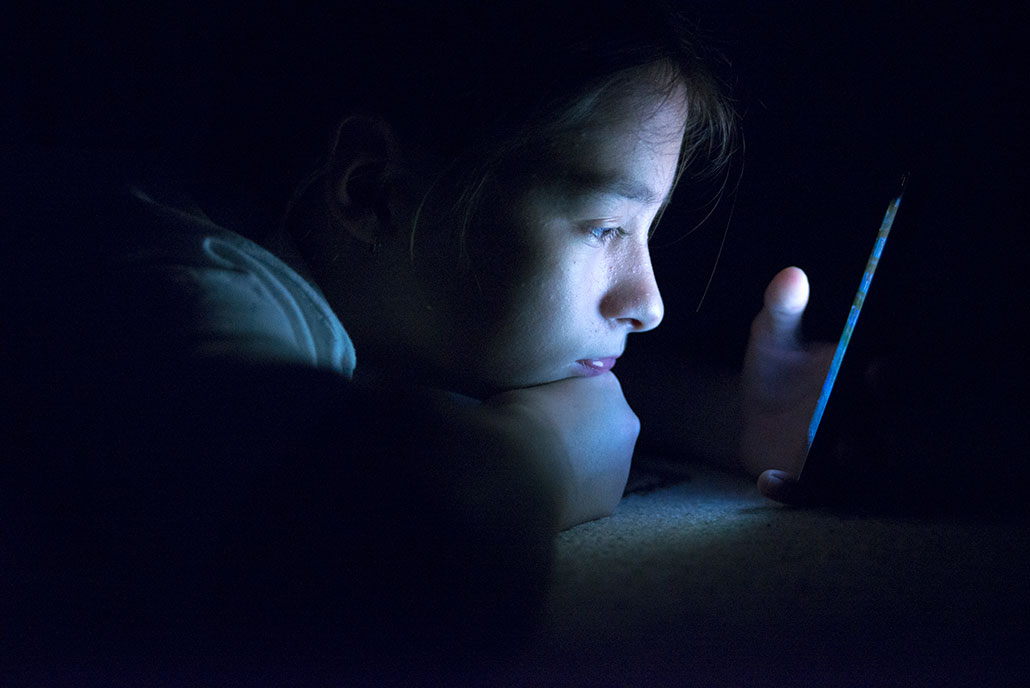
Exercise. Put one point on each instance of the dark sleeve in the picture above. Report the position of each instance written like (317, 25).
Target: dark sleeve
(267, 509)
(154, 504)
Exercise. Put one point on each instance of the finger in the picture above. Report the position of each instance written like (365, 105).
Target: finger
(782, 486)
(785, 301)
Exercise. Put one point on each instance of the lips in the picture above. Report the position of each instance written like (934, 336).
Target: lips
(596, 366)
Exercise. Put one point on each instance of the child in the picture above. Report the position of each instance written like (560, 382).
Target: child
(413, 385)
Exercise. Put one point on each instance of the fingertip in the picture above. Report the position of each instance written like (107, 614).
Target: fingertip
(779, 486)
(788, 291)
(770, 481)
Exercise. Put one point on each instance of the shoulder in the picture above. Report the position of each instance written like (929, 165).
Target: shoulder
(135, 267)
(230, 296)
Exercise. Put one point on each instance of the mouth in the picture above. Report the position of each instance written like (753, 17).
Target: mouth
(596, 366)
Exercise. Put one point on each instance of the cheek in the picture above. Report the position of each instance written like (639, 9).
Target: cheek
(551, 308)
(534, 282)
(512, 273)
(529, 313)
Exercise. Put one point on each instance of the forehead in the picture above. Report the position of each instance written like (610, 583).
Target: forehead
(638, 119)
(650, 99)
(627, 133)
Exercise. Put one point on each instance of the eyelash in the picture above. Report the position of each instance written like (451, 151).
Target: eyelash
(605, 234)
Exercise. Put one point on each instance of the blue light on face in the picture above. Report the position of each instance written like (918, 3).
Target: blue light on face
(856, 309)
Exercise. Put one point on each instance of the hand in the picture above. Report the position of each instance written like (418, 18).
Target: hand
(781, 383)
(592, 433)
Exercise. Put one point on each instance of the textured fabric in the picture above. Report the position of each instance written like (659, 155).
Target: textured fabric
(223, 295)
(707, 583)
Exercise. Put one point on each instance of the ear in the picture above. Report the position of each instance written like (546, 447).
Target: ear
(362, 164)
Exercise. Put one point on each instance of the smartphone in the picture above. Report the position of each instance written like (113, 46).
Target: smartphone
(832, 411)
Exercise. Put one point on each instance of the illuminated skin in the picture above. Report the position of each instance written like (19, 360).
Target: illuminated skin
(559, 273)
(560, 276)
(578, 236)
(780, 386)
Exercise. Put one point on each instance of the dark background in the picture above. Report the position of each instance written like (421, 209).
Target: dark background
(836, 101)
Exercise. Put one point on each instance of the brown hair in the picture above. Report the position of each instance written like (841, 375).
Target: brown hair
(472, 83)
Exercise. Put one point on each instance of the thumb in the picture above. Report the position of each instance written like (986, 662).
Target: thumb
(783, 487)
(785, 301)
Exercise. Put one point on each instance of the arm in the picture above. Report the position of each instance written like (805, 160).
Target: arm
(548, 457)
(556, 454)
(585, 434)
(288, 503)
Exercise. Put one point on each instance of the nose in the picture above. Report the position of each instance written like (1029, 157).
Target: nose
(632, 297)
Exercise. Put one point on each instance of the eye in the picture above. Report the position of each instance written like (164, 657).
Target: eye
(605, 234)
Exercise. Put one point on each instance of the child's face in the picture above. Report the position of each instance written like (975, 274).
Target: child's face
(562, 270)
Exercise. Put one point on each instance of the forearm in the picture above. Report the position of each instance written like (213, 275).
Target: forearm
(584, 434)
(508, 458)
(493, 462)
